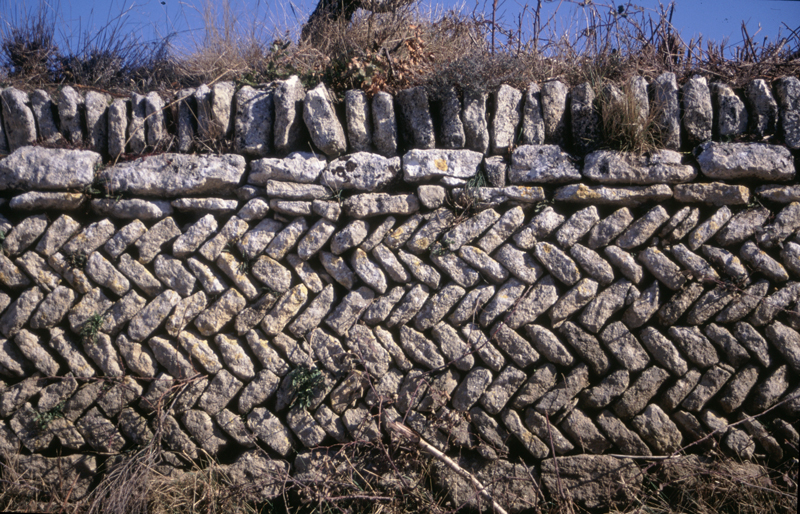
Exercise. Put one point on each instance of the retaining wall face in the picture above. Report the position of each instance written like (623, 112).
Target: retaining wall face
(637, 303)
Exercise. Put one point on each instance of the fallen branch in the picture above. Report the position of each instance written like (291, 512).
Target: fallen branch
(414, 437)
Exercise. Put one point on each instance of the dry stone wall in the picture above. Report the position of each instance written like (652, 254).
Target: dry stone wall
(476, 268)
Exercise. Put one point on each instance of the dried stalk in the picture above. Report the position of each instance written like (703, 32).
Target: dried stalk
(414, 437)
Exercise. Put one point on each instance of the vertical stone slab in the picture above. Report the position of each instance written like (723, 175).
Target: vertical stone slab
(730, 115)
(761, 107)
(3, 140)
(323, 125)
(205, 128)
(473, 116)
(666, 109)
(451, 132)
(532, 120)
(253, 124)
(697, 111)
(788, 91)
(415, 114)
(70, 110)
(638, 89)
(18, 118)
(289, 128)
(43, 110)
(584, 117)
(117, 127)
(97, 120)
(156, 129)
(507, 116)
(222, 108)
(554, 111)
(384, 124)
(359, 120)
(136, 132)
(186, 119)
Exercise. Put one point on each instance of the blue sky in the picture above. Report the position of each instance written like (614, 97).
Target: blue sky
(151, 19)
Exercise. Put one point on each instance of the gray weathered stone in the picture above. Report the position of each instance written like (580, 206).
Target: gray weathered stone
(320, 118)
(362, 171)
(557, 263)
(287, 306)
(554, 111)
(730, 118)
(17, 314)
(660, 167)
(658, 430)
(44, 110)
(787, 90)
(421, 164)
(577, 226)
(786, 341)
(154, 122)
(417, 123)
(697, 110)
(591, 263)
(781, 194)
(253, 121)
(621, 196)
(542, 164)
(384, 123)
(584, 432)
(572, 301)
(507, 116)
(269, 429)
(745, 160)
(187, 119)
(70, 111)
(473, 116)
(99, 269)
(359, 120)
(376, 204)
(97, 119)
(34, 168)
(20, 124)
(532, 121)
(762, 262)
(60, 230)
(299, 167)
(525, 310)
(786, 222)
(135, 208)
(157, 175)
(584, 117)
(762, 108)
(665, 99)
(549, 346)
(205, 205)
(711, 382)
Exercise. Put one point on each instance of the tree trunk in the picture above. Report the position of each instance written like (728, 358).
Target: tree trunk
(330, 10)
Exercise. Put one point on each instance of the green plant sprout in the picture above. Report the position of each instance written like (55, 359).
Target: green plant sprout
(305, 384)
(43, 419)
(77, 259)
(91, 328)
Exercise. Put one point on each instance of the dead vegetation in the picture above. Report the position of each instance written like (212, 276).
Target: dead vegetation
(389, 51)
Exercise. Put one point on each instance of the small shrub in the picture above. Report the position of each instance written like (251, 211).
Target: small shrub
(305, 384)
(43, 419)
(91, 328)
(77, 259)
(28, 44)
